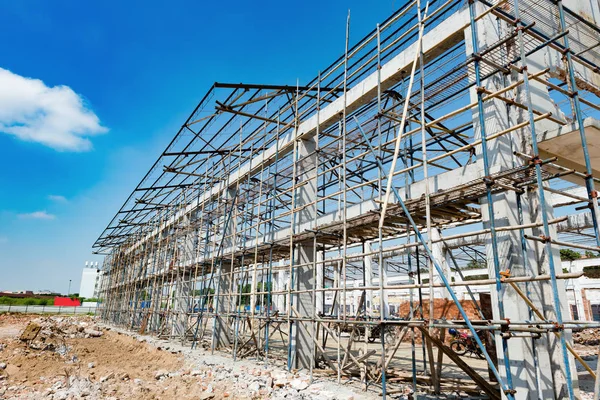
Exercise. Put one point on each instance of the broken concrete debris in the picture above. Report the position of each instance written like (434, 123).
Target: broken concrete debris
(77, 358)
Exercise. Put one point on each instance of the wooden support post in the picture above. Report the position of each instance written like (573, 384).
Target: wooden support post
(440, 360)
(490, 390)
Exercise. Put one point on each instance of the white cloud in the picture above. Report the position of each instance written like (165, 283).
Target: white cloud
(57, 198)
(53, 116)
(38, 215)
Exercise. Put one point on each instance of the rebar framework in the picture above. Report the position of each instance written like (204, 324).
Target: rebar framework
(280, 221)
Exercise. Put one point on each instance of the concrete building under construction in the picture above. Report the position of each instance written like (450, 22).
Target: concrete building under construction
(281, 220)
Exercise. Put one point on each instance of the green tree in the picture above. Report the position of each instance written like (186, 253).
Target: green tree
(592, 272)
(475, 264)
(591, 254)
(476, 277)
(569, 255)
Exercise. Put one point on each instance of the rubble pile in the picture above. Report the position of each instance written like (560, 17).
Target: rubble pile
(75, 358)
(587, 337)
(71, 327)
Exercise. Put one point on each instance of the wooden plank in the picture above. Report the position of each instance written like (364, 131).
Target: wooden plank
(432, 370)
(325, 357)
(354, 329)
(440, 359)
(144, 324)
(328, 329)
(360, 359)
(30, 332)
(491, 391)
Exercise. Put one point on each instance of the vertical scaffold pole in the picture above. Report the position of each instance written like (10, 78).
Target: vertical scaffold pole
(542, 200)
(490, 204)
(509, 393)
(382, 312)
(572, 83)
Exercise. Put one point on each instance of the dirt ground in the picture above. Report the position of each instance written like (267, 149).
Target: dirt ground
(75, 358)
(111, 365)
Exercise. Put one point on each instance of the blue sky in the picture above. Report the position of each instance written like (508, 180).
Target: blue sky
(93, 91)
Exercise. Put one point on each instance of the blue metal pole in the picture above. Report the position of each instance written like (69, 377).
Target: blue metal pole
(508, 392)
(542, 200)
(589, 180)
(490, 204)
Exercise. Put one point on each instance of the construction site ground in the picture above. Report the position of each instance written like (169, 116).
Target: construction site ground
(75, 357)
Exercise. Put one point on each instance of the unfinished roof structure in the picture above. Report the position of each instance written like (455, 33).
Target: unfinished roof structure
(281, 220)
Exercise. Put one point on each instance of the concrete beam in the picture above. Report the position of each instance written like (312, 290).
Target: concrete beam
(565, 143)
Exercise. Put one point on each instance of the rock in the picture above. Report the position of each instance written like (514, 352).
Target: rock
(279, 375)
(2, 365)
(206, 396)
(138, 381)
(91, 365)
(195, 372)
(107, 377)
(61, 395)
(92, 332)
(280, 382)
(254, 386)
(160, 374)
(299, 384)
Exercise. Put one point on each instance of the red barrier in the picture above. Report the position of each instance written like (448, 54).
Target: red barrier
(66, 301)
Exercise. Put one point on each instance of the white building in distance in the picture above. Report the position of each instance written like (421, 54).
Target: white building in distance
(90, 280)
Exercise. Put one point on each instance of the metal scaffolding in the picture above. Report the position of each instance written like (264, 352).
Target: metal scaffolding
(280, 220)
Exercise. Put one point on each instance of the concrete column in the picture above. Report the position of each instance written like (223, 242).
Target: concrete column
(320, 278)
(281, 298)
(337, 309)
(183, 285)
(386, 306)
(535, 365)
(356, 295)
(222, 336)
(154, 321)
(183, 291)
(253, 284)
(306, 171)
(439, 252)
(369, 279)
(578, 299)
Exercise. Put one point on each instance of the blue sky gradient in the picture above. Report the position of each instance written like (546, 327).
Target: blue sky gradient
(141, 67)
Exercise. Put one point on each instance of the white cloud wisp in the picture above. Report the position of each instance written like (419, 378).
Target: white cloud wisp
(43, 215)
(57, 198)
(56, 117)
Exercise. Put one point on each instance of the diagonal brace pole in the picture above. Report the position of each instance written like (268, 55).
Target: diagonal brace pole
(509, 393)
